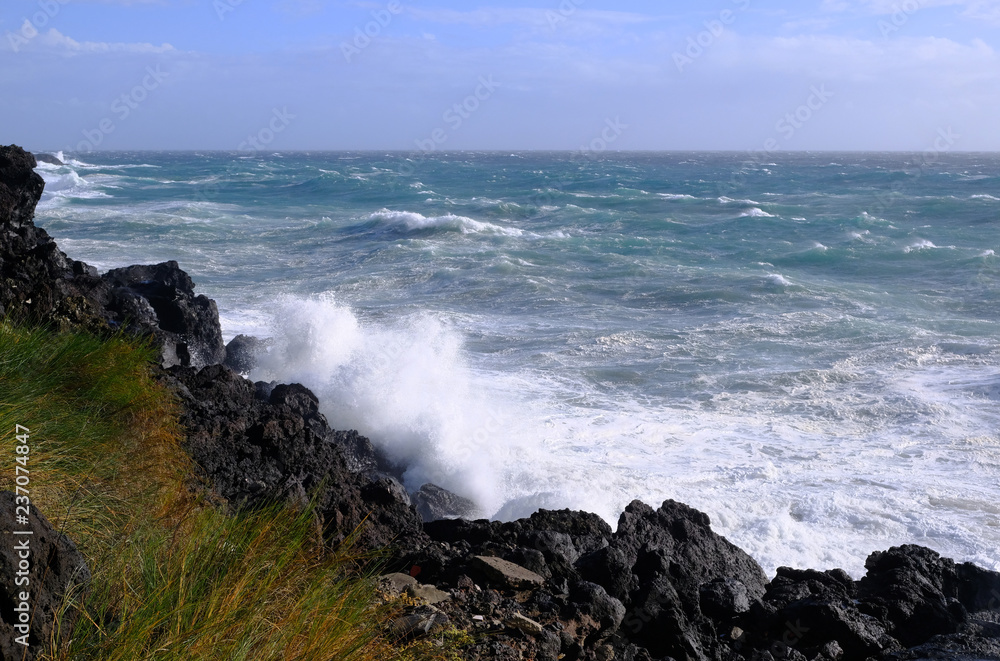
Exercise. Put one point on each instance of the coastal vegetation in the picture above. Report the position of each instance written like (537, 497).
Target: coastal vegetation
(175, 575)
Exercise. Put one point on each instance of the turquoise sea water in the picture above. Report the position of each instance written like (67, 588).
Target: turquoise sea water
(804, 346)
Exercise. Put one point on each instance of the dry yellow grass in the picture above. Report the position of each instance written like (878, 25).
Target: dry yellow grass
(173, 576)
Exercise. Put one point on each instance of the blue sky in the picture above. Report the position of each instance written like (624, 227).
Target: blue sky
(536, 74)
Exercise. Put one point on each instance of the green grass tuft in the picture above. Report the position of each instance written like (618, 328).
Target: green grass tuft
(174, 577)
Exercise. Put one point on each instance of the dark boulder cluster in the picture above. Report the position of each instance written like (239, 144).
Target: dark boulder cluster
(664, 586)
(556, 585)
(39, 283)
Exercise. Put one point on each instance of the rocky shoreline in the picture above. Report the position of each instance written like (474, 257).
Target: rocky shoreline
(556, 585)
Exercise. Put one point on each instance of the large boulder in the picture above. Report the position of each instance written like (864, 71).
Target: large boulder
(916, 593)
(657, 564)
(55, 570)
(159, 300)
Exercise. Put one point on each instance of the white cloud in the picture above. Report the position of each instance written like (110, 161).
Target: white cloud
(977, 10)
(550, 20)
(56, 41)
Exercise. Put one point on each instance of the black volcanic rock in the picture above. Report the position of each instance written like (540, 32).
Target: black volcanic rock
(160, 300)
(657, 563)
(48, 158)
(242, 353)
(20, 186)
(254, 451)
(38, 282)
(435, 503)
(916, 593)
(56, 568)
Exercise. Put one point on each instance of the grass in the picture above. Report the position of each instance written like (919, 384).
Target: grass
(174, 577)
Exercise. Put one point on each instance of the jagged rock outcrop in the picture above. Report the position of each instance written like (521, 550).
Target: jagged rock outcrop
(55, 569)
(258, 445)
(160, 300)
(39, 283)
(48, 158)
(37, 280)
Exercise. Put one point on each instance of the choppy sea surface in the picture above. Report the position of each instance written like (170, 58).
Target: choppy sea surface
(804, 346)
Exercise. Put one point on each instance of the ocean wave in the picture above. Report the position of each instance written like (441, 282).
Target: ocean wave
(922, 244)
(729, 200)
(756, 212)
(676, 196)
(984, 197)
(68, 185)
(412, 221)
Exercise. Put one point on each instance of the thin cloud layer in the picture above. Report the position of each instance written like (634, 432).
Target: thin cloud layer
(385, 75)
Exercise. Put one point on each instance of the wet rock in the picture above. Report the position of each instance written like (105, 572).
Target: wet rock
(242, 353)
(723, 598)
(435, 503)
(655, 565)
(48, 158)
(914, 592)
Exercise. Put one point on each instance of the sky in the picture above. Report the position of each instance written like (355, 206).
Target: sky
(760, 75)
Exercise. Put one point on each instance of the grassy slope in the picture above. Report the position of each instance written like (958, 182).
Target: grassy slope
(174, 577)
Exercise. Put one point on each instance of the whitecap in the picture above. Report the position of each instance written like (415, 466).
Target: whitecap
(922, 244)
(676, 196)
(756, 212)
(413, 221)
(778, 279)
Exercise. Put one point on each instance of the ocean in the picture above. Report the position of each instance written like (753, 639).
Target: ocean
(802, 345)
